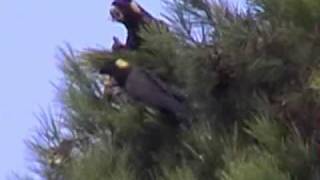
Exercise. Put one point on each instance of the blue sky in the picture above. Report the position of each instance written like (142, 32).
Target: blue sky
(30, 32)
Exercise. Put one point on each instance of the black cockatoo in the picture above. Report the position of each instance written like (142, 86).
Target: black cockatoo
(133, 17)
(145, 87)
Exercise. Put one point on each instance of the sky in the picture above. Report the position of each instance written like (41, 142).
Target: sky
(30, 33)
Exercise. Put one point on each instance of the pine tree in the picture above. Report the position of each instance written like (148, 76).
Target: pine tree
(250, 75)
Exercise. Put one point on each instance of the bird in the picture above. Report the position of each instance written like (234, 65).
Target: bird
(145, 87)
(60, 153)
(133, 17)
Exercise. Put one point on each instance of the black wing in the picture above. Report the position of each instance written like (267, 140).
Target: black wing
(165, 88)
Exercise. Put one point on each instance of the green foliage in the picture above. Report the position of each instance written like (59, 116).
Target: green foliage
(250, 78)
(267, 132)
(303, 13)
(183, 173)
(253, 167)
(101, 163)
(288, 148)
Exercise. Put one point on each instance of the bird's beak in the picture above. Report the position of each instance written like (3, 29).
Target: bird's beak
(135, 7)
(108, 81)
(116, 14)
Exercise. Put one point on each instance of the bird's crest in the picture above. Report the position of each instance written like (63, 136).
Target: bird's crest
(122, 64)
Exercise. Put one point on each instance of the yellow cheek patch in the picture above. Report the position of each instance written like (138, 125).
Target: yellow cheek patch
(135, 7)
(122, 64)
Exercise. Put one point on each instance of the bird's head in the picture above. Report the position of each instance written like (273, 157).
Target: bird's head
(126, 11)
(118, 69)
